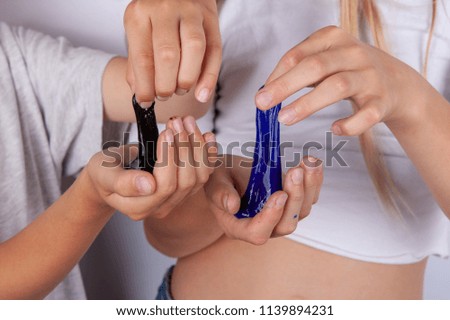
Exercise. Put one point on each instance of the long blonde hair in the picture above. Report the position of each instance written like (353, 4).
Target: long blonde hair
(353, 12)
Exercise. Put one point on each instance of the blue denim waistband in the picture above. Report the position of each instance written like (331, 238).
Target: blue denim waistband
(164, 288)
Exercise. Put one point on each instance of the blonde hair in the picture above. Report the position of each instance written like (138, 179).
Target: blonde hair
(353, 12)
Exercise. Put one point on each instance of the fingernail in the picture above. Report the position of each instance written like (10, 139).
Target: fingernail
(313, 164)
(286, 116)
(264, 99)
(145, 104)
(178, 125)
(297, 177)
(281, 200)
(203, 95)
(336, 130)
(143, 185)
(169, 135)
(162, 98)
(189, 124)
(180, 92)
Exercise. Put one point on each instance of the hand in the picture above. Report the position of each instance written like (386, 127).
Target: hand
(173, 46)
(281, 213)
(139, 194)
(341, 67)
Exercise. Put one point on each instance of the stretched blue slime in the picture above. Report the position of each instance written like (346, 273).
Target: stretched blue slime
(148, 136)
(266, 175)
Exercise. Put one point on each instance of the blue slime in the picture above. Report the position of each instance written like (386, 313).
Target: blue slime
(266, 175)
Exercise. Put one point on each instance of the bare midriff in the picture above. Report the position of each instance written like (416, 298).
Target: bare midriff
(284, 269)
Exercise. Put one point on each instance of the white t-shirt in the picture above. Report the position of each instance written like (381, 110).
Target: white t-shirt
(51, 124)
(349, 219)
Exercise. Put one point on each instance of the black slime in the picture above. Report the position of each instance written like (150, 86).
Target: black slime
(148, 136)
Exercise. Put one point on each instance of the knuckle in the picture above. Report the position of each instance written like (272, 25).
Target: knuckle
(215, 46)
(136, 216)
(168, 54)
(131, 12)
(258, 240)
(143, 60)
(342, 84)
(255, 237)
(187, 184)
(347, 130)
(333, 31)
(210, 77)
(142, 95)
(296, 196)
(357, 51)
(285, 229)
(290, 59)
(305, 106)
(317, 64)
(186, 82)
(167, 190)
(202, 178)
(166, 8)
(196, 42)
(304, 213)
(164, 92)
(282, 86)
(373, 115)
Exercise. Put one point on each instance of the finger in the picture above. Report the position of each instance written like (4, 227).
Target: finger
(186, 175)
(222, 194)
(293, 186)
(127, 183)
(193, 46)
(199, 152)
(211, 149)
(140, 53)
(309, 71)
(313, 177)
(321, 40)
(165, 171)
(337, 87)
(369, 115)
(212, 61)
(166, 42)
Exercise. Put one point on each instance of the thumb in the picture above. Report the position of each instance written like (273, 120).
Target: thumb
(131, 183)
(113, 178)
(221, 192)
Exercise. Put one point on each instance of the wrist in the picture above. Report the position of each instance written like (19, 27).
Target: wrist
(414, 112)
(91, 205)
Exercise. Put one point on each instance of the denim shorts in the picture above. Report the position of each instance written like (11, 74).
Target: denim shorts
(164, 288)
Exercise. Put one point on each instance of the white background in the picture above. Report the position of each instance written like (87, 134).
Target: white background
(121, 264)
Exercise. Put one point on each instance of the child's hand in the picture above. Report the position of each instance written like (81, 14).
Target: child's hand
(281, 213)
(139, 194)
(341, 67)
(173, 44)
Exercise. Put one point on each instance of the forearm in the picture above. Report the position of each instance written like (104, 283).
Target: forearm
(117, 98)
(425, 137)
(35, 260)
(187, 229)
